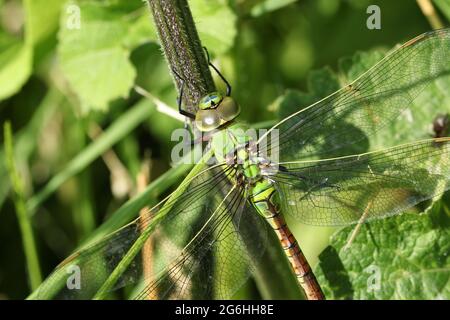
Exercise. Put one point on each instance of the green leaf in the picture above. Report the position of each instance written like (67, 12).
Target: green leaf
(415, 123)
(353, 66)
(344, 274)
(29, 244)
(42, 18)
(15, 65)
(140, 31)
(16, 55)
(444, 6)
(216, 24)
(321, 83)
(93, 57)
(404, 257)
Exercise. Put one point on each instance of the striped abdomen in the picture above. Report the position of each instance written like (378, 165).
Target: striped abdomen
(265, 200)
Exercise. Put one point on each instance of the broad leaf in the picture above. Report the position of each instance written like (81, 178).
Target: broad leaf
(267, 6)
(345, 274)
(42, 18)
(404, 257)
(93, 56)
(15, 65)
(16, 55)
(216, 24)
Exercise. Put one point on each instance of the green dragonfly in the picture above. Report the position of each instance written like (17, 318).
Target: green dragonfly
(204, 240)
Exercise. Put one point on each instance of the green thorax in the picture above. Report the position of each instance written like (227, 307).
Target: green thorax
(229, 140)
(232, 143)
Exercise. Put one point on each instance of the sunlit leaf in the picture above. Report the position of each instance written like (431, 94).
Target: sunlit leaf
(15, 65)
(42, 18)
(93, 57)
(216, 24)
(268, 6)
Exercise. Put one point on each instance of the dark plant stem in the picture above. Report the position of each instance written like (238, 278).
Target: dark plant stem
(182, 49)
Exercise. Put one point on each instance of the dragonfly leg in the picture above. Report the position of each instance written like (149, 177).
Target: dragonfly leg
(218, 72)
(304, 179)
(323, 184)
(202, 138)
(180, 97)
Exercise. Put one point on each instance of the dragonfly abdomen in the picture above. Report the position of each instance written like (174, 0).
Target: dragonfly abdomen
(265, 200)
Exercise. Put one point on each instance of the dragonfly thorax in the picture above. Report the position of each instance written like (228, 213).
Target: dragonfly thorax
(215, 110)
(235, 145)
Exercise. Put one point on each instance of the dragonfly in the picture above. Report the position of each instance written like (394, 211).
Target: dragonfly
(205, 239)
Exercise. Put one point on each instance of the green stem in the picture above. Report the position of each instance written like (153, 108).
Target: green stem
(29, 245)
(25, 139)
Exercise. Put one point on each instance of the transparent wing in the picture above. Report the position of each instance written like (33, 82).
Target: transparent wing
(333, 126)
(363, 187)
(188, 236)
(216, 262)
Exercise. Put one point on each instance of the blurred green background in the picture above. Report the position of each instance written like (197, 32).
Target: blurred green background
(61, 99)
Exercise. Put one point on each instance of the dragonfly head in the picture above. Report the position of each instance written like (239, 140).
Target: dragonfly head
(215, 110)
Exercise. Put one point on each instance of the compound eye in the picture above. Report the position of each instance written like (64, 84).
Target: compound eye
(207, 120)
(210, 101)
(228, 109)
